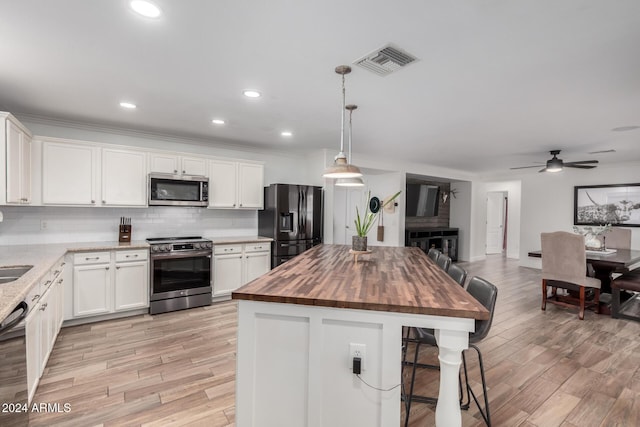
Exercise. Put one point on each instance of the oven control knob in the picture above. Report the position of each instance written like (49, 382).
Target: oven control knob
(154, 249)
(166, 248)
(209, 245)
(197, 245)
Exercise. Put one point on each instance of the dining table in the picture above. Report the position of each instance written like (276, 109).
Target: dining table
(605, 264)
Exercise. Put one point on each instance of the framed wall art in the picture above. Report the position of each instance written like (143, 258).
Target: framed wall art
(617, 204)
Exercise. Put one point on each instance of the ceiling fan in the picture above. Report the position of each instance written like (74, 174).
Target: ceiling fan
(556, 165)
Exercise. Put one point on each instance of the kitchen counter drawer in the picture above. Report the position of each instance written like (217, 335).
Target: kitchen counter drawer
(257, 247)
(227, 249)
(139, 255)
(92, 258)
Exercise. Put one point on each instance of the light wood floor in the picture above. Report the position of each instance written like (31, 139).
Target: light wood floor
(543, 368)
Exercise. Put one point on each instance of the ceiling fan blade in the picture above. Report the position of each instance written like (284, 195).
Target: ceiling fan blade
(570, 165)
(544, 169)
(527, 167)
(581, 162)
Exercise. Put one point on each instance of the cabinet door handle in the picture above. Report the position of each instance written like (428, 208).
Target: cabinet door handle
(47, 283)
(104, 202)
(106, 268)
(55, 273)
(117, 267)
(175, 171)
(93, 201)
(44, 306)
(184, 171)
(63, 264)
(61, 280)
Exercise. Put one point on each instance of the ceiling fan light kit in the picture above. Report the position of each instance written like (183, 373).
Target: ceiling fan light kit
(555, 164)
(341, 167)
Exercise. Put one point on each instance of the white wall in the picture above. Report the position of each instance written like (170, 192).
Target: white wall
(513, 189)
(461, 212)
(547, 202)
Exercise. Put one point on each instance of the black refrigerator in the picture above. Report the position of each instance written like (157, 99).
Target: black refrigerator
(292, 216)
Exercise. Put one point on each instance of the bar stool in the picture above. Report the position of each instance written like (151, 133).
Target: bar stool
(486, 294)
(630, 308)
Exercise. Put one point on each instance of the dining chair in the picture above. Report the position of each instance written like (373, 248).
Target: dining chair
(616, 238)
(626, 309)
(486, 294)
(443, 262)
(564, 265)
(434, 254)
(457, 273)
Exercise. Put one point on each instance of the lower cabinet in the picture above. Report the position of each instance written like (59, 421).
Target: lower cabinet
(237, 264)
(110, 281)
(42, 324)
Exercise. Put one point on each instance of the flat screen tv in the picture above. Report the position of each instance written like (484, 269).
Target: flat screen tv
(422, 200)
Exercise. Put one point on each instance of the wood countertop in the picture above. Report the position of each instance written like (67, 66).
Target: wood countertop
(394, 279)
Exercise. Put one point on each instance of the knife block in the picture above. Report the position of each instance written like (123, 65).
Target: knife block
(124, 234)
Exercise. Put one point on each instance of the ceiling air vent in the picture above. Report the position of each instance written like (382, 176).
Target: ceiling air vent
(386, 60)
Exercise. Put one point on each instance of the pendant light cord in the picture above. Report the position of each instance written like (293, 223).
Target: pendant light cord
(342, 123)
(349, 158)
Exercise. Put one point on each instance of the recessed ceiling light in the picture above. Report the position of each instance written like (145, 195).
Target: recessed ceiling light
(249, 93)
(128, 105)
(217, 121)
(286, 133)
(625, 128)
(145, 8)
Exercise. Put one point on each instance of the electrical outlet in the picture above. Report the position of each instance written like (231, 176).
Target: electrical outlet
(43, 225)
(358, 350)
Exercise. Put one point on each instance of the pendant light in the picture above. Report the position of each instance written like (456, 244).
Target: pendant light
(350, 182)
(341, 167)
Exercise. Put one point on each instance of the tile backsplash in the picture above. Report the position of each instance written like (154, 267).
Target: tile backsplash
(38, 224)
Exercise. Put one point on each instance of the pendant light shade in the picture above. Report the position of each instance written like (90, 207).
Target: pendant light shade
(354, 181)
(341, 167)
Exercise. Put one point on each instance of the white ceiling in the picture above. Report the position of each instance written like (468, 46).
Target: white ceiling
(498, 83)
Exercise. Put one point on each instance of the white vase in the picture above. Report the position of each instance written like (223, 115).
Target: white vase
(592, 242)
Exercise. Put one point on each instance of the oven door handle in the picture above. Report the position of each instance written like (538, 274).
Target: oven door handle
(192, 254)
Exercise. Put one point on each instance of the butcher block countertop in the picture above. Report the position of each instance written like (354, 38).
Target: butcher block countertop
(393, 279)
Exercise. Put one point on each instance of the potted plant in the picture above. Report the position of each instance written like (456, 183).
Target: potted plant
(365, 222)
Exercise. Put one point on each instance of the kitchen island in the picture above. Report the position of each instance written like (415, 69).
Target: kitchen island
(300, 324)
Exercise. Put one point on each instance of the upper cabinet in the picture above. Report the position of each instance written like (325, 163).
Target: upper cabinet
(177, 165)
(235, 185)
(124, 178)
(69, 173)
(15, 159)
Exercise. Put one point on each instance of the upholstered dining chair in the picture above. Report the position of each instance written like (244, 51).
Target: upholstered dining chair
(486, 294)
(457, 273)
(443, 262)
(616, 238)
(564, 265)
(434, 254)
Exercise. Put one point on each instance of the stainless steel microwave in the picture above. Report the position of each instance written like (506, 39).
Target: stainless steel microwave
(178, 190)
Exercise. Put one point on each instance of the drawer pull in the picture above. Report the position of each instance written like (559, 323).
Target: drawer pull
(63, 264)
(47, 283)
(55, 273)
(61, 280)
(129, 256)
(93, 257)
(35, 297)
(44, 306)
(117, 267)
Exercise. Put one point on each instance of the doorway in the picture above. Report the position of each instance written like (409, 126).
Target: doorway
(345, 202)
(496, 222)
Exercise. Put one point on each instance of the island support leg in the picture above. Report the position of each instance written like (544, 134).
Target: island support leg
(450, 346)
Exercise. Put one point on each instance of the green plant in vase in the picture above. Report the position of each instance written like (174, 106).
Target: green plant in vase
(365, 221)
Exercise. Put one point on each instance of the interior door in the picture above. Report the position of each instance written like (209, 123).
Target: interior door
(495, 222)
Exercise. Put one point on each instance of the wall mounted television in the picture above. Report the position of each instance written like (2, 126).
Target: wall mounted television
(422, 200)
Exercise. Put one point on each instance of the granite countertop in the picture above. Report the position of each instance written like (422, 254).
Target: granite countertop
(43, 257)
(238, 239)
(394, 279)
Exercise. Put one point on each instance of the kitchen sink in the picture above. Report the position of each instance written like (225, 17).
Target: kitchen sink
(9, 274)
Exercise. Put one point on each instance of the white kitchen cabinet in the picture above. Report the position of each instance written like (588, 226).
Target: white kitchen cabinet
(124, 178)
(69, 173)
(177, 165)
(236, 185)
(131, 285)
(32, 339)
(92, 284)
(250, 186)
(18, 164)
(237, 264)
(227, 269)
(110, 281)
(257, 260)
(15, 161)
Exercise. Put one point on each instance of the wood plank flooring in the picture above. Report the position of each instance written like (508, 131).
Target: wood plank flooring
(176, 369)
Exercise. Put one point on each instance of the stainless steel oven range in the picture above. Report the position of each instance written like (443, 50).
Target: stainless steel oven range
(180, 273)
